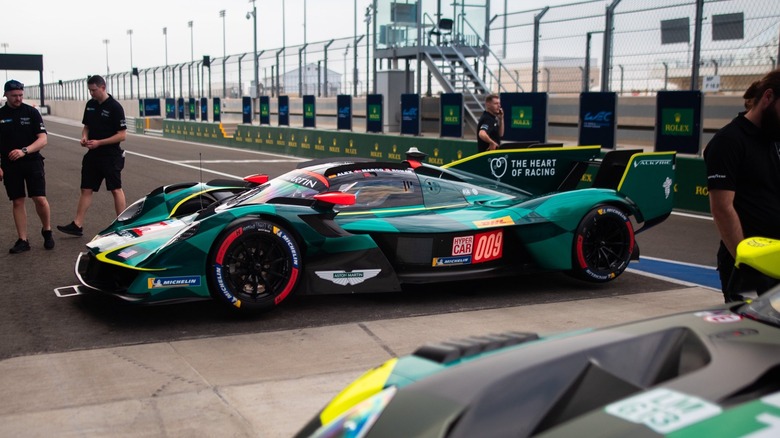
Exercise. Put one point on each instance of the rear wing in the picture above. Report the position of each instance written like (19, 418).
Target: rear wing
(647, 178)
(536, 170)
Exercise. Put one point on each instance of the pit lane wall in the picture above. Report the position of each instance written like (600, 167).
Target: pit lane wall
(690, 187)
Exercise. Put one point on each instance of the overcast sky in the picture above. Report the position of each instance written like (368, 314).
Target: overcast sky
(70, 33)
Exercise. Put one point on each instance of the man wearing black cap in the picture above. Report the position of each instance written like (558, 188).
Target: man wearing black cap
(22, 136)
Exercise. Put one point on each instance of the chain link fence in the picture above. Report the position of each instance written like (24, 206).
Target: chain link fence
(654, 46)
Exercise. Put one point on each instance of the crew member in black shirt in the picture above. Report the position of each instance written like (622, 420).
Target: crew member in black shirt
(490, 125)
(22, 136)
(743, 176)
(104, 128)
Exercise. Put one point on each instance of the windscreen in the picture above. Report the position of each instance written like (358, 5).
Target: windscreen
(766, 308)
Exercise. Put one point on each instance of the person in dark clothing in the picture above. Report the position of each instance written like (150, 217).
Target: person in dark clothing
(743, 177)
(22, 136)
(104, 128)
(490, 125)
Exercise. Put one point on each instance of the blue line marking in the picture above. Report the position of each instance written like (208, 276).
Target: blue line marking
(706, 276)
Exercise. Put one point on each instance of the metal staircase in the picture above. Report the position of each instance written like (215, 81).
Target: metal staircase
(456, 65)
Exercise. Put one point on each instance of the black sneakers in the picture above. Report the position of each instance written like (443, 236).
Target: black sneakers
(20, 246)
(48, 239)
(72, 229)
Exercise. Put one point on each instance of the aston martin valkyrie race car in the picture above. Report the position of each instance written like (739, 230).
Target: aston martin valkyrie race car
(356, 226)
(708, 373)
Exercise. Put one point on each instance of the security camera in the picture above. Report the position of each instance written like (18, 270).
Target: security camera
(248, 15)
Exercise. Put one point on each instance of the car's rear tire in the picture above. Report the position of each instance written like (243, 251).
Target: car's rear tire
(603, 244)
(253, 266)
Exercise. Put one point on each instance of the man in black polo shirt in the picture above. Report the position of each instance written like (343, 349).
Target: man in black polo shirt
(743, 177)
(104, 128)
(22, 136)
(490, 127)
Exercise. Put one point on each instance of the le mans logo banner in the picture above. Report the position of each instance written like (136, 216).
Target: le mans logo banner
(451, 115)
(677, 121)
(522, 117)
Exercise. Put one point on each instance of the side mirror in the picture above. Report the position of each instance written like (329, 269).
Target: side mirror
(256, 179)
(336, 198)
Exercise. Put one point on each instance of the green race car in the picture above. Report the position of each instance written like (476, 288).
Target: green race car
(352, 226)
(709, 373)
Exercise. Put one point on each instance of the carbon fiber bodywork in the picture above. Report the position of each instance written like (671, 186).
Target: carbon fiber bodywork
(715, 372)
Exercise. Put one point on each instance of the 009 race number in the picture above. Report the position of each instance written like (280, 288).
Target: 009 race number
(488, 246)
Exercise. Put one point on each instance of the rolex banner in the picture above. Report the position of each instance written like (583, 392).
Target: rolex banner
(451, 115)
(284, 110)
(265, 110)
(191, 108)
(246, 110)
(410, 114)
(374, 117)
(525, 116)
(309, 112)
(217, 109)
(344, 105)
(598, 119)
(678, 121)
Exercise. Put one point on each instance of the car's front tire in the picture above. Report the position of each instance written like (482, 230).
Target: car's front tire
(603, 244)
(253, 266)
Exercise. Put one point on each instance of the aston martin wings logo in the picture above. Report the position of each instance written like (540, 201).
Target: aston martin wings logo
(345, 278)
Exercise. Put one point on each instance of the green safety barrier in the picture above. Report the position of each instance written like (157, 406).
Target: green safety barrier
(690, 187)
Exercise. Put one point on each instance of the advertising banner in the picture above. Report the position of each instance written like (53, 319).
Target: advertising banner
(191, 108)
(170, 108)
(525, 116)
(217, 109)
(204, 109)
(246, 110)
(344, 105)
(451, 115)
(678, 121)
(151, 107)
(598, 119)
(181, 108)
(374, 112)
(309, 112)
(265, 110)
(410, 114)
(284, 110)
(141, 108)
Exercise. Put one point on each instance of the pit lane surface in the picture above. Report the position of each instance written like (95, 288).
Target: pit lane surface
(36, 321)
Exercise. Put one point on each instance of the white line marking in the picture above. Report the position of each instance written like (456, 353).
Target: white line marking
(675, 262)
(692, 215)
(237, 161)
(179, 163)
(670, 279)
(61, 294)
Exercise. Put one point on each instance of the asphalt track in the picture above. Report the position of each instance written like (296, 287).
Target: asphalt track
(83, 366)
(678, 252)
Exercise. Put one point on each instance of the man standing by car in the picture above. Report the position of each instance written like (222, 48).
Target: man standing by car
(490, 125)
(104, 128)
(743, 177)
(22, 136)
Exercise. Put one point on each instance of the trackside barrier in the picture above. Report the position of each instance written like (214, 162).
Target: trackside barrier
(690, 188)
